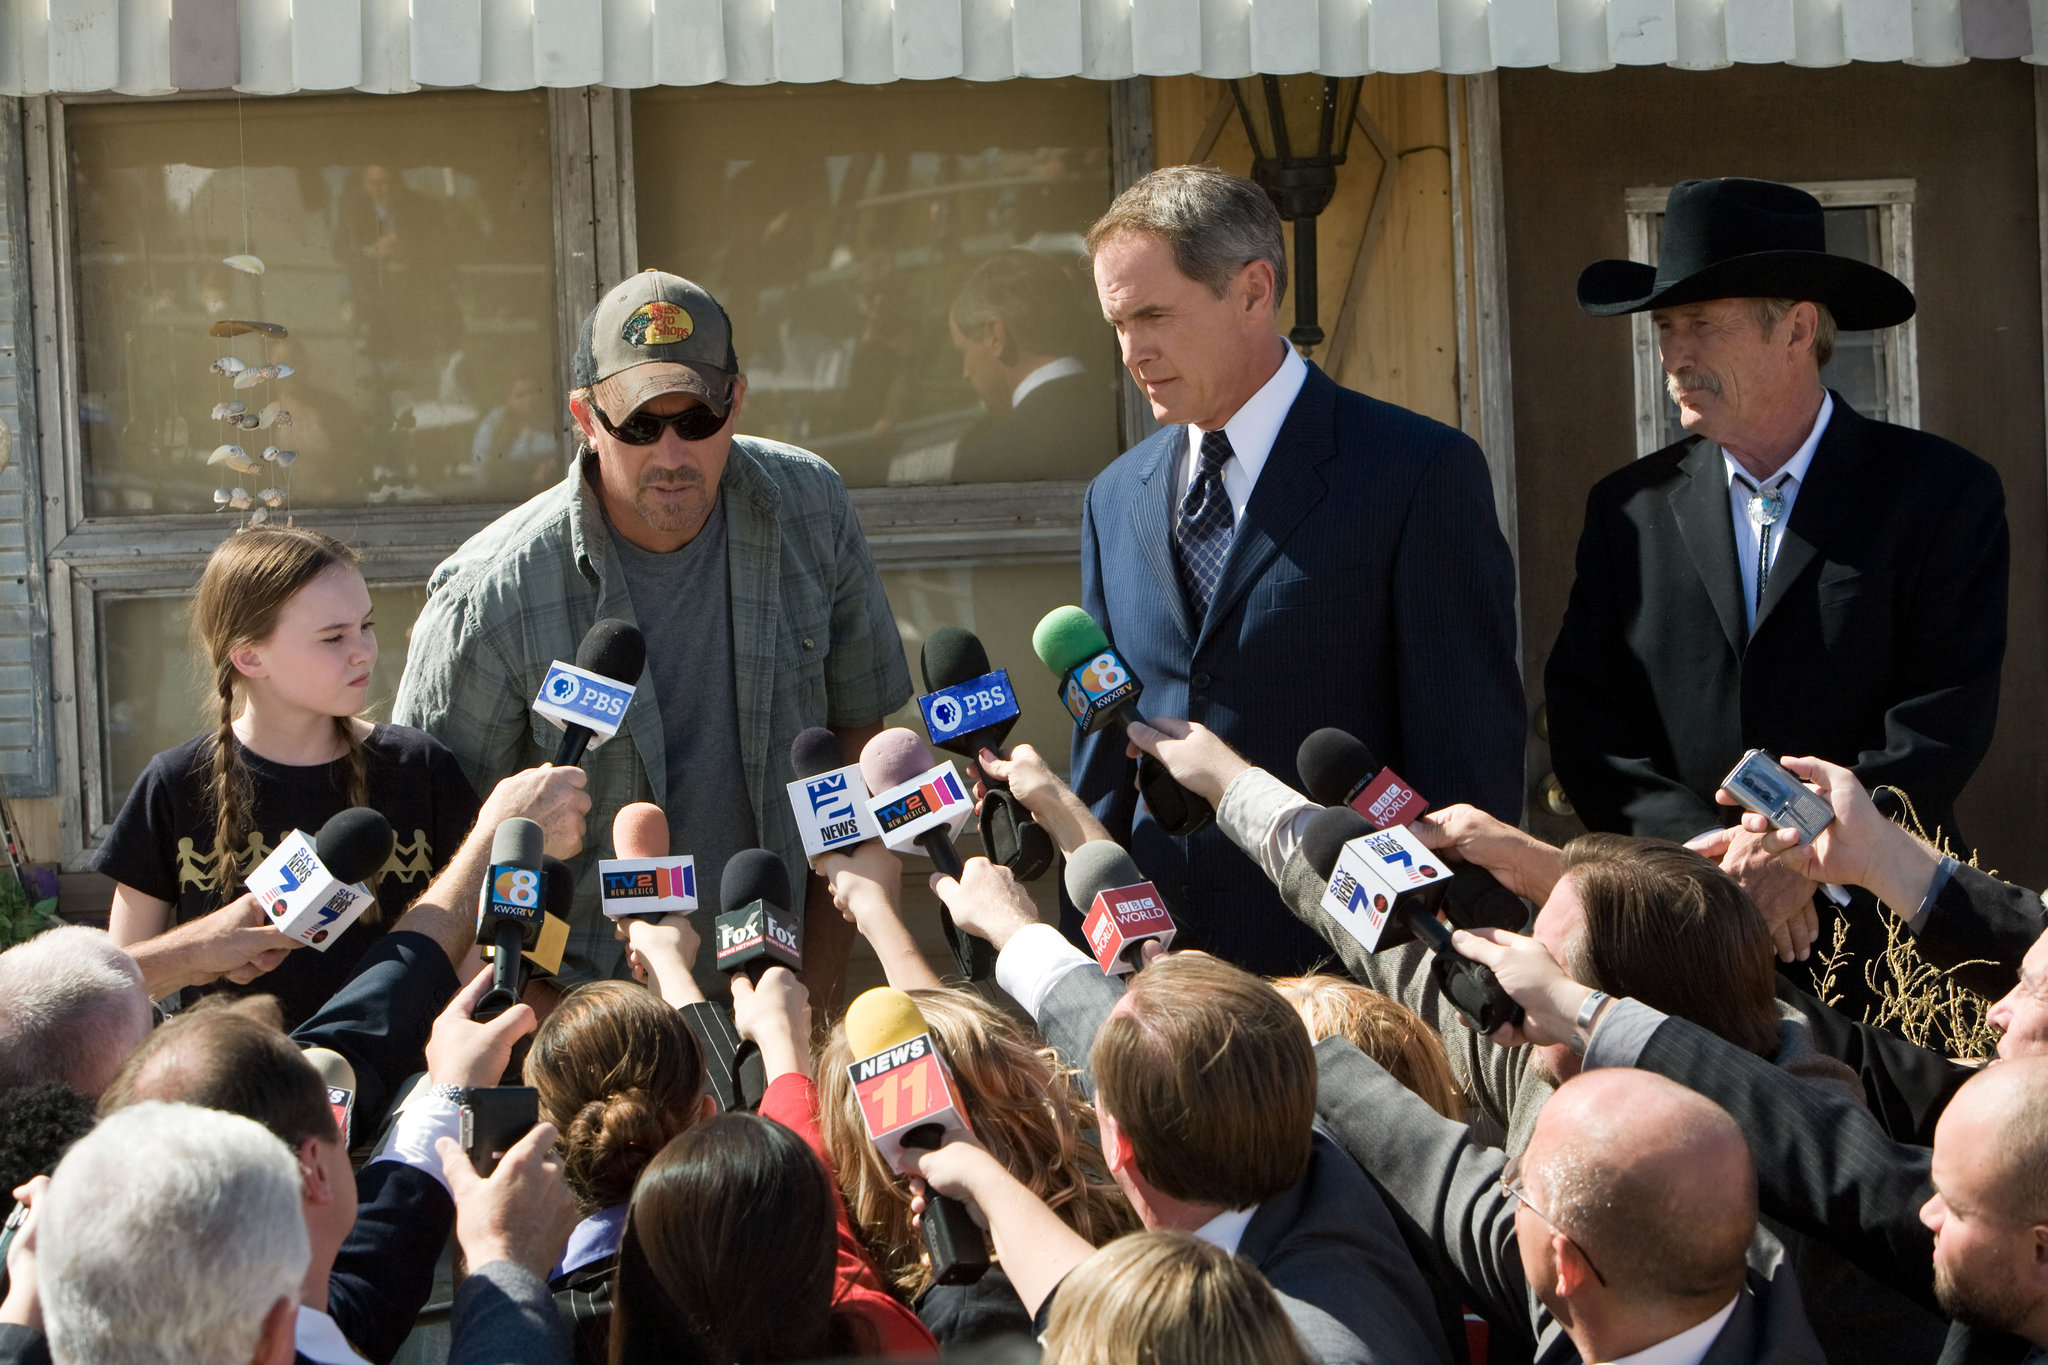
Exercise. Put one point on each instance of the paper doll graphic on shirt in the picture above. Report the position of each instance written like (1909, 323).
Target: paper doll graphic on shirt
(202, 870)
(408, 862)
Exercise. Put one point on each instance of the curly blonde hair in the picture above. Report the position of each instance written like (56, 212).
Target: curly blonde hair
(1022, 1105)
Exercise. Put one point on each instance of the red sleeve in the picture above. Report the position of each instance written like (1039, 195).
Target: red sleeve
(792, 1101)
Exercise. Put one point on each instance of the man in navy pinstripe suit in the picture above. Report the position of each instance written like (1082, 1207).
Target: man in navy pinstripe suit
(1283, 554)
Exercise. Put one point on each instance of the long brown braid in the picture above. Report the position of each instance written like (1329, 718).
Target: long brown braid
(246, 585)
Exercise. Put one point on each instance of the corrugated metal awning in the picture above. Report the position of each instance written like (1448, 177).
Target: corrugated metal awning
(386, 46)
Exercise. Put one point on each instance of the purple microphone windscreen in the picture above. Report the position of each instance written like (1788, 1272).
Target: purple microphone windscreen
(1326, 835)
(613, 649)
(893, 757)
(354, 844)
(816, 750)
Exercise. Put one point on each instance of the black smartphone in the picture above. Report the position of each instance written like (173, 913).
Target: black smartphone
(494, 1118)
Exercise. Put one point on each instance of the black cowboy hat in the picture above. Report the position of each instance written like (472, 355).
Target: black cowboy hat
(1746, 239)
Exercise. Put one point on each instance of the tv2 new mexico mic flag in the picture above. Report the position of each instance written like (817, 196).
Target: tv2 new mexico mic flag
(644, 879)
(314, 889)
(829, 798)
(588, 698)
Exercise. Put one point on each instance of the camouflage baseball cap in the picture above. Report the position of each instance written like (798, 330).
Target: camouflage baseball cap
(656, 333)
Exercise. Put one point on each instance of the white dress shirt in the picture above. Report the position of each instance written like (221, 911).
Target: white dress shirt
(316, 1337)
(1252, 431)
(1226, 1229)
(1045, 374)
(1689, 1347)
(1786, 480)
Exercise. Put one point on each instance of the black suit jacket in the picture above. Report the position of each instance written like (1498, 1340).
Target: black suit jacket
(1367, 587)
(1450, 1186)
(1329, 1240)
(1877, 646)
(1064, 423)
(384, 1272)
(380, 1021)
(1824, 1168)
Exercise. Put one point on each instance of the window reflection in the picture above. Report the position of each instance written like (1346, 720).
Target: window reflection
(156, 688)
(408, 249)
(838, 224)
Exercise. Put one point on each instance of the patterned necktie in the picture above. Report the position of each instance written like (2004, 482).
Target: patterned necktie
(1201, 536)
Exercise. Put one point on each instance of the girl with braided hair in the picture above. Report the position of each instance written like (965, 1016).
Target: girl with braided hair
(282, 618)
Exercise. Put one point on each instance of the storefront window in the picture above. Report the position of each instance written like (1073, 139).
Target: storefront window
(407, 246)
(838, 224)
(157, 687)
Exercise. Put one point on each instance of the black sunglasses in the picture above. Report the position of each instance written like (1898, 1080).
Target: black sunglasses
(644, 428)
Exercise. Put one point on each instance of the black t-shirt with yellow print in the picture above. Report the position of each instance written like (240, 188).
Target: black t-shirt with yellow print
(162, 843)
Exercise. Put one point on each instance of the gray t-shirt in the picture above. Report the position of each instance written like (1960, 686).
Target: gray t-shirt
(685, 612)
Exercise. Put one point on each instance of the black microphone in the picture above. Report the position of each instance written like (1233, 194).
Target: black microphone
(314, 889)
(611, 649)
(1337, 769)
(953, 658)
(1470, 986)
(512, 912)
(1098, 688)
(354, 844)
(755, 928)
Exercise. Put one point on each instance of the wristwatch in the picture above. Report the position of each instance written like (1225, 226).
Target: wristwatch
(1583, 1025)
(457, 1095)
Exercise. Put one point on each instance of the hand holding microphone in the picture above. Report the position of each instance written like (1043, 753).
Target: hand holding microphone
(1547, 1000)
(649, 896)
(774, 1014)
(469, 1052)
(556, 799)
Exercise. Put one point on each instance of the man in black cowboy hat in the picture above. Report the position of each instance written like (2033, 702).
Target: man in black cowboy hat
(1792, 576)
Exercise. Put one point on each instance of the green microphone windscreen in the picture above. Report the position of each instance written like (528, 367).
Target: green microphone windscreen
(1067, 638)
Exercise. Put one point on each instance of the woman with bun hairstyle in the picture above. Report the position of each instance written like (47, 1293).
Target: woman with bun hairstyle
(282, 616)
(1023, 1107)
(619, 1075)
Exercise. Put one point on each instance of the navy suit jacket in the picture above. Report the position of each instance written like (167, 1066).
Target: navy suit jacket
(1367, 587)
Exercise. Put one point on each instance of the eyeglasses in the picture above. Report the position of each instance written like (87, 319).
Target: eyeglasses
(644, 428)
(1511, 1184)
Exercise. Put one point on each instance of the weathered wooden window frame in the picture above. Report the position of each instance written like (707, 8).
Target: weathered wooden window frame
(86, 562)
(1893, 199)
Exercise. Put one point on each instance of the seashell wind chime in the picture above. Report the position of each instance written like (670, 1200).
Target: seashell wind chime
(274, 464)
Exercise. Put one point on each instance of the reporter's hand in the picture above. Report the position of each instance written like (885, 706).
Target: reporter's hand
(668, 941)
(865, 882)
(776, 1016)
(1859, 847)
(1521, 862)
(237, 942)
(1194, 754)
(987, 901)
(1030, 778)
(556, 799)
(523, 1213)
(1782, 896)
(24, 1304)
(463, 1052)
(957, 1170)
(1550, 999)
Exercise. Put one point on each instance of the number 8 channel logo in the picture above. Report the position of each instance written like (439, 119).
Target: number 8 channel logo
(1104, 673)
(516, 886)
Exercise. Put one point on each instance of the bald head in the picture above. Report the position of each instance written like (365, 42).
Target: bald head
(2006, 1106)
(1651, 1180)
(71, 1007)
(232, 1056)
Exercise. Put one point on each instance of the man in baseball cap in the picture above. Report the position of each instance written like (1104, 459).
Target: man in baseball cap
(742, 563)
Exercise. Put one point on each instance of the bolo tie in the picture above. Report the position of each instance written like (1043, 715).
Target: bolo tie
(1766, 510)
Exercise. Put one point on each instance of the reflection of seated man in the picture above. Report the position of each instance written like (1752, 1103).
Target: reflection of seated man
(518, 428)
(1018, 324)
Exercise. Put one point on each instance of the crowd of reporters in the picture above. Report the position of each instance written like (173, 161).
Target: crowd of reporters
(1668, 1154)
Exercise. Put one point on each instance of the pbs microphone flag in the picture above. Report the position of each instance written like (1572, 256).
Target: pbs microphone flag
(575, 696)
(934, 798)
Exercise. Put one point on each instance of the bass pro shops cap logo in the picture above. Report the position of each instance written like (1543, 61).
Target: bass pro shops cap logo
(562, 689)
(659, 323)
(946, 715)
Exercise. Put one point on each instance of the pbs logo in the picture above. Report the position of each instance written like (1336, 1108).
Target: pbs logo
(562, 689)
(947, 714)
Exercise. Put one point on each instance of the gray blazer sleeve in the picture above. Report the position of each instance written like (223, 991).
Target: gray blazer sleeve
(1443, 1180)
(504, 1315)
(1497, 1078)
(1072, 1015)
(1327, 1340)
